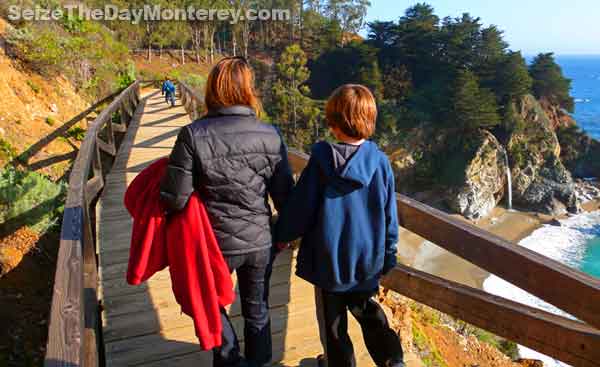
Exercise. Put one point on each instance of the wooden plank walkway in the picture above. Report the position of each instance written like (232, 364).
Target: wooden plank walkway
(143, 325)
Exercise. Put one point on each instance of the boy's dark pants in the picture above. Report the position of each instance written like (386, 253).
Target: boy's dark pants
(253, 274)
(381, 341)
(170, 98)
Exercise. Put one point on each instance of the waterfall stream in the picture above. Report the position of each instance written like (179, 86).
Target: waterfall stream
(509, 179)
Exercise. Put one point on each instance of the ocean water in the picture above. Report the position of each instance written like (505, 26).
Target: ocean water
(585, 74)
(576, 242)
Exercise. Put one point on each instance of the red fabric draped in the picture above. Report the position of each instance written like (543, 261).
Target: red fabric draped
(185, 243)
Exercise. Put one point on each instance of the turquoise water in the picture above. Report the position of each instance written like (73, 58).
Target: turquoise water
(591, 260)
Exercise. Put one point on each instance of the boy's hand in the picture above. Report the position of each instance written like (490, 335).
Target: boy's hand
(282, 246)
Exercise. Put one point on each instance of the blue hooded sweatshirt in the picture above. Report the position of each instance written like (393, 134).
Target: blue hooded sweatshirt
(345, 212)
(168, 87)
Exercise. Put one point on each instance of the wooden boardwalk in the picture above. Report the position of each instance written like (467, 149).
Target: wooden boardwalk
(143, 325)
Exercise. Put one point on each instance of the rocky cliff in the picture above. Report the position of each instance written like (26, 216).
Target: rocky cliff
(541, 182)
(558, 117)
(485, 180)
(467, 173)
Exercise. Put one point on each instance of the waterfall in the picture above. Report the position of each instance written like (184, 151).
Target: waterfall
(509, 179)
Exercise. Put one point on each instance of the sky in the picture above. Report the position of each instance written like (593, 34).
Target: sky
(565, 27)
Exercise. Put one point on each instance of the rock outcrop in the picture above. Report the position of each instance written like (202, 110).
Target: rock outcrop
(557, 116)
(467, 173)
(540, 180)
(580, 153)
(485, 180)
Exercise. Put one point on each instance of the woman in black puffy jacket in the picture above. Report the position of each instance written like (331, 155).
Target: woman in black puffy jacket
(235, 162)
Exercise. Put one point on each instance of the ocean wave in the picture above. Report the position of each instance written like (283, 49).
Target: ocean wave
(566, 244)
(582, 100)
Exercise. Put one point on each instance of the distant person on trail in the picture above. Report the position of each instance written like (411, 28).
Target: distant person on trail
(168, 90)
(235, 162)
(344, 208)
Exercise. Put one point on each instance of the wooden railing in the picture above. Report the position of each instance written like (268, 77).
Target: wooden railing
(571, 341)
(191, 101)
(73, 328)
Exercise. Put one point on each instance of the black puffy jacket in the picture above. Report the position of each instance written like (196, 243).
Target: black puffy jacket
(234, 161)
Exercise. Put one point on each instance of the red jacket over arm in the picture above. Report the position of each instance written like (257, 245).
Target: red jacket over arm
(200, 278)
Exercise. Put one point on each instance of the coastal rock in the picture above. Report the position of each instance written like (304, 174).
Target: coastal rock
(485, 179)
(558, 117)
(581, 153)
(586, 191)
(540, 180)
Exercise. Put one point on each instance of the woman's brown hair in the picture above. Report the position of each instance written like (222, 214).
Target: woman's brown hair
(353, 110)
(231, 83)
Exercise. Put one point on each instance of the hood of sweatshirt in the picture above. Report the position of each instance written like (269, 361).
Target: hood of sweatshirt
(346, 167)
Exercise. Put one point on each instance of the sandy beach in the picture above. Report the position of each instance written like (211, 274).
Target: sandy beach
(511, 225)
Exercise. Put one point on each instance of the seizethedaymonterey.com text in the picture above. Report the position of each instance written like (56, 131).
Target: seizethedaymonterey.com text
(145, 14)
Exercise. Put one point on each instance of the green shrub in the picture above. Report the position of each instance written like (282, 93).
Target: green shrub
(7, 151)
(76, 132)
(42, 48)
(507, 347)
(29, 198)
(519, 154)
(127, 77)
(50, 121)
(34, 87)
(194, 81)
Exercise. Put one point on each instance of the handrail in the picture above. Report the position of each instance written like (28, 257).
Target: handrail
(566, 288)
(191, 101)
(571, 341)
(73, 327)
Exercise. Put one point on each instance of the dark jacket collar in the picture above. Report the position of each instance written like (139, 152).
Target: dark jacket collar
(233, 111)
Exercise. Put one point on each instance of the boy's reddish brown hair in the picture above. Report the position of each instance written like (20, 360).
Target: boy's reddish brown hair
(231, 83)
(353, 110)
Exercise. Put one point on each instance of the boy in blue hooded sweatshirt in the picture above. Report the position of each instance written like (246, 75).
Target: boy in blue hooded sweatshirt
(344, 208)
(168, 90)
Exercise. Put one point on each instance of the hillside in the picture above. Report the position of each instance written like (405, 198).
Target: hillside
(33, 106)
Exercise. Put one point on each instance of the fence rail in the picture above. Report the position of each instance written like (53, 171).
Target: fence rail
(568, 340)
(73, 328)
(191, 101)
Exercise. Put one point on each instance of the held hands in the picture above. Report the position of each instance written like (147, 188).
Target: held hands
(283, 246)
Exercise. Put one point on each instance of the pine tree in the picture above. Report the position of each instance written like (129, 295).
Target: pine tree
(472, 107)
(291, 103)
(550, 83)
(513, 80)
